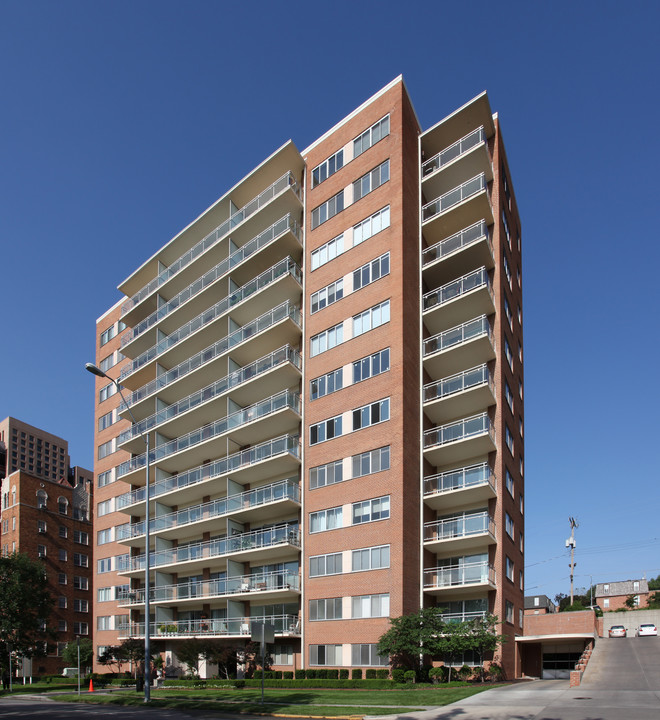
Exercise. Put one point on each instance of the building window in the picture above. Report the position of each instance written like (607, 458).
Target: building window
(42, 499)
(105, 421)
(371, 136)
(508, 353)
(509, 611)
(508, 525)
(368, 606)
(371, 318)
(327, 296)
(371, 414)
(80, 583)
(371, 226)
(327, 474)
(509, 481)
(508, 395)
(606, 602)
(321, 565)
(371, 462)
(327, 339)
(328, 209)
(509, 568)
(325, 430)
(61, 626)
(80, 560)
(106, 448)
(372, 365)
(325, 654)
(61, 578)
(372, 558)
(508, 438)
(41, 551)
(520, 540)
(80, 605)
(329, 519)
(327, 252)
(507, 269)
(282, 654)
(371, 510)
(327, 168)
(105, 536)
(82, 538)
(64, 532)
(371, 271)
(105, 478)
(80, 628)
(521, 584)
(369, 182)
(41, 526)
(522, 505)
(505, 225)
(62, 555)
(105, 594)
(366, 654)
(107, 391)
(326, 384)
(326, 609)
(105, 507)
(61, 602)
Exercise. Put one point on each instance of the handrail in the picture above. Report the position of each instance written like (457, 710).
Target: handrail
(460, 430)
(451, 290)
(460, 479)
(283, 624)
(453, 197)
(458, 383)
(458, 241)
(457, 335)
(473, 523)
(467, 142)
(467, 574)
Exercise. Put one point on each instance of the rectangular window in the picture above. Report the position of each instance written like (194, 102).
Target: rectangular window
(373, 558)
(82, 538)
(80, 560)
(521, 542)
(508, 395)
(367, 606)
(371, 136)
(505, 225)
(107, 362)
(521, 584)
(80, 583)
(508, 353)
(328, 209)
(372, 365)
(327, 339)
(105, 421)
(371, 510)
(105, 594)
(326, 384)
(325, 430)
(61, 625)
(327, 296)
(508, 438)
(327, 168)
(107, 391)
(371, 272)
(105, 507)
(105, 536)
(106, 448)
(371, 462)
(41, 551)
(369, 182)
(282, 654)
(509, 611)
(507, 269)
(509, 568)
(508, 525)
(509, 481)
(41, 526)
(326, 609)
(80, 605)
(329, 519)
(106, 478)
(366, 654)
(327, 252)
(107, 335)
(62, 555)
(61, 578)
(325, 654)
(507, 312)
(321, 565)
(371, 318)
(370, 226)
(80, 628)
(328, 474)
(371, 414)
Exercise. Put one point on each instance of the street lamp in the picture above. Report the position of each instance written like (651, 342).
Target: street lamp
(145, 436)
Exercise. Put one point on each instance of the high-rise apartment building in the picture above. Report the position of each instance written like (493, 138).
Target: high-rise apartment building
(329, 364)
(45, 513)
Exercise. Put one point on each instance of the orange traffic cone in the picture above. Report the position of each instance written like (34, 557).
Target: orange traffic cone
(91, 685)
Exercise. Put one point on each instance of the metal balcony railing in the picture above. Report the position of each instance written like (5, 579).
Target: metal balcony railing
(461, 239)
(459, 430)
(287, 534)
(269, 406)
(283, 624)
(263, 322)
(214, 312)
(458, 383)
(209, 277)
(204, 589)
(232, 463)
(456, 288)
(453, 197)
(468, 574)
(450, 153)
(457, 335)
(460, 479)
(219, 387)
(286, 181)
(460, 526)
(282, 490)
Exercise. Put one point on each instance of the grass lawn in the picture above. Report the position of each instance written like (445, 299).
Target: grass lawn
(296, 701)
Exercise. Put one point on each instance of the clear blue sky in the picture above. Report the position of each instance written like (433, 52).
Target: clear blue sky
(121, 121)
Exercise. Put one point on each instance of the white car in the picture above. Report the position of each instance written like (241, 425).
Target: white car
(647, 629)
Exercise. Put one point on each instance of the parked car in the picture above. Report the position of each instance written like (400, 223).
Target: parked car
(618, 631)
(647, 629)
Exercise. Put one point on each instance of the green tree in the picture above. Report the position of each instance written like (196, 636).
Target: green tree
(654, 583)
(189, 652)
(70, 653)
(454, 641)
(483, 637)
(409, 637)
(25, 605)
(629, 602)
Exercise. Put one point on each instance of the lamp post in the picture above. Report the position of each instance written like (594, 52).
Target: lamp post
(145, 436)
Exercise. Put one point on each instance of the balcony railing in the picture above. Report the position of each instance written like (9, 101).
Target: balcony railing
(460, 526)
(269, 406)
(459, 430)
(203, 589)
(232, 463)
(287, 534)
(450, 291)
(214, 312)
(265, 321)
(287, 180)
(460, 479)
(282, 490)
(238, 377)
(477, 573)
(453, 197)
(457, 335)
(458, 383)
(462, 239)
(453, 151)
(267, 236)
(283, 624)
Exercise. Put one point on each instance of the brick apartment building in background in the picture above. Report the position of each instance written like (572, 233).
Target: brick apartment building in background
(45, 513)
(613, 595)
(329, 363)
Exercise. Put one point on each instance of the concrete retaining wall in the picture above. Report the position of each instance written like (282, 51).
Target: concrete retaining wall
(630, 620)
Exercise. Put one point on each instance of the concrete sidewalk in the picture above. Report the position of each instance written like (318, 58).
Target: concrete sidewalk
(548, 700)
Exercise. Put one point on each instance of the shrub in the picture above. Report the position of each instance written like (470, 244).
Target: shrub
(495, 672)
(239, 684)
(465, 672)
(398, 675)
(343, 674)
(356, 674)
(311, 674)
(409, 676)
(332, 674)
(301, 674)
(438, 674)
(370, 674)
(287, 675)
(382, 673)
(322, 674)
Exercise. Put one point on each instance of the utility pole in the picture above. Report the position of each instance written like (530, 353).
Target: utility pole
(571, 543)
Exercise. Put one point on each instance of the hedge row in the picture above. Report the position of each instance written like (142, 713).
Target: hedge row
(274, 683)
